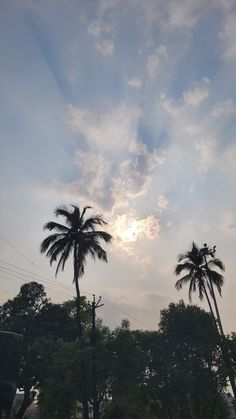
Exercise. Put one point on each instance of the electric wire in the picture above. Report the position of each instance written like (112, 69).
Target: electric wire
(14, 273)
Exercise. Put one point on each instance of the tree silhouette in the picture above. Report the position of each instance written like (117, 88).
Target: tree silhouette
(199, 274)
(199, 264)
(78, 238)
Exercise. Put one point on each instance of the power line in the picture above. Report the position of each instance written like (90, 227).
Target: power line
(45, 280)
(18, 278)
(38, 276)
(124, 312)
(23, 255)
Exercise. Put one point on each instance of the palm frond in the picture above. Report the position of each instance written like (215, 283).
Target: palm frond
(65, 255)
(64, 212)
(98, 234)
(84, 211)
(100, 252)
(56, 248)
(216, 262)
(216, 279)
(182, 267)
(179, 284)
(49, 241)
(91, 223)
(51, 225)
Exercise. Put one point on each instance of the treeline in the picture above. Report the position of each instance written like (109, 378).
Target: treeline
(175, 372)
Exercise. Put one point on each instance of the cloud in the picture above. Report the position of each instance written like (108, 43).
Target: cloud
(156, 60)
(163, 202)
(135, 82)
(105, 46)
(108, 131)
(183, 13)
(171, 106)
(225, 109)
(134, 175)
(228, 36)
(230, 157)
(190, 99)
(103, 33)
(128, 229)
(94, 175)
(228, 224)
(207, 151)
(114, 167)
(197, 94)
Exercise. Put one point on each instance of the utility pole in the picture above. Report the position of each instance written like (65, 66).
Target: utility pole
(95, 305)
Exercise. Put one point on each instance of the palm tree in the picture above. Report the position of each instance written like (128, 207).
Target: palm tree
(199, 275)
(78, 238)
(199, 264)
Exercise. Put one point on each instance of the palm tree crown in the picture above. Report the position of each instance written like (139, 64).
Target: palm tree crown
(78, 235)
(200, 274)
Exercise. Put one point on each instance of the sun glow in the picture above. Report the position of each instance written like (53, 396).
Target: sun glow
(128, 233)
(127, 229)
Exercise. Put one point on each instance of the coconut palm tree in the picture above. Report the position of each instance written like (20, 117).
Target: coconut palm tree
(199, 264)
(78, 238)
(199, 274)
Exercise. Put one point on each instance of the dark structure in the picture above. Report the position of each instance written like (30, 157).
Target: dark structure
(10, 354)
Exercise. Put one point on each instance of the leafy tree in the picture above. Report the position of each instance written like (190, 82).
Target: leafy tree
(42, 324)
(186, 364)
(20, 315)
(59, 392)
(80, 238)
(127, 374)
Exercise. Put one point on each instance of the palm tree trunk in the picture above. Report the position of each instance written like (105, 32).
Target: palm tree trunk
(223, 346)
(80, 334)
(209, 304)
(222, 337)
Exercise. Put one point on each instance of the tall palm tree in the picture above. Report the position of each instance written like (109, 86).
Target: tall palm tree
(199, 274)
(199, 264)
(78, 238)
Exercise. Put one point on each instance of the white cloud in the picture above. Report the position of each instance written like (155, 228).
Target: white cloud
(197, 94)
(163, 202)
(155, 61)
(172, 107)
(128, 229)
(183, 13)
(134, 176)
(207, 151)
(228, 35)
(108, 131)
(224, 4)
(226, 109)
(103, 33)
(106, 47)
(228, 224)
(135, 82)
(94, 174)
(191, 99)
(192, 130)
(230, 156)
(111, 137)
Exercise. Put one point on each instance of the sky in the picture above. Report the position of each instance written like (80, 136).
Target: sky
(129, 107)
